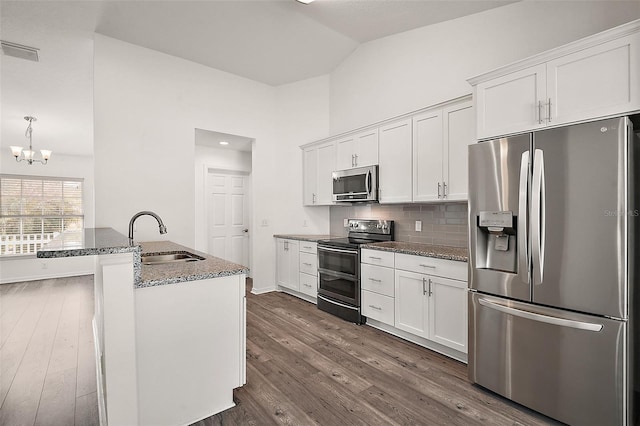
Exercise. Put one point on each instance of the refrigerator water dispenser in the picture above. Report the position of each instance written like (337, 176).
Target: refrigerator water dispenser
(496, 241)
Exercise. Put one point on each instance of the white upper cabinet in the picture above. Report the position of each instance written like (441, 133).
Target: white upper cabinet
(394, 174)
(427, 156)
(319, 161)
(512, 103)
(592, 78)
(440, 140)
(458, 135)
(357, 150)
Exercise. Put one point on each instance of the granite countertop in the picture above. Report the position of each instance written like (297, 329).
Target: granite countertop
(171, 273)
(460, 254)
(303, 237)
(100, 241)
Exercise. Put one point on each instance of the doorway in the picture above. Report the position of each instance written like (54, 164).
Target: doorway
(223, 195)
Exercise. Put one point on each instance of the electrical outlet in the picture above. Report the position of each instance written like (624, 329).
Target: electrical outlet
(418, 226)
(265, 222)
(346, 223)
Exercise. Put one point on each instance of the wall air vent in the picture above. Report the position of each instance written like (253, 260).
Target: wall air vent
(19, 51)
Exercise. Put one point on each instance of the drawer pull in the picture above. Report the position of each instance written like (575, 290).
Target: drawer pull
(375, 258)
(306, 247)
(375, 307)
(305, 263)
(307, 285)
(427, 266)
(376, 280)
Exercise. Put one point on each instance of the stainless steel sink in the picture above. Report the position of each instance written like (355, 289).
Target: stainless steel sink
(169, 257)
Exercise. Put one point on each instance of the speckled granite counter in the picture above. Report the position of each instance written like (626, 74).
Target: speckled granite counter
(442, 252)
(170, 273)
(89, 242)
(302, 237)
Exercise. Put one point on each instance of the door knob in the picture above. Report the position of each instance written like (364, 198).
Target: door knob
(245, 230)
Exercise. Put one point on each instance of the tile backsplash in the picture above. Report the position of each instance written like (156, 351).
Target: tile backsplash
(443, 224)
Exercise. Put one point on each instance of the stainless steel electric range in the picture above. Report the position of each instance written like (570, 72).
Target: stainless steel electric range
(339, 267)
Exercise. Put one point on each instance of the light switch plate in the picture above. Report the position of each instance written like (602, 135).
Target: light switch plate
(346, 223)
(264, 222)
(418, 226)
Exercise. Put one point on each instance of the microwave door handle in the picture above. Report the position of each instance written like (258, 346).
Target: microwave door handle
(367, 182)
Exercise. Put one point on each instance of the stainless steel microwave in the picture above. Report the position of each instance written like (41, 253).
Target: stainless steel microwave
(356, 185)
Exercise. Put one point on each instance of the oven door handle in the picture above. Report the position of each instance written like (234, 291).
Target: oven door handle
(337, 303)
(337, 250)
(336, 274)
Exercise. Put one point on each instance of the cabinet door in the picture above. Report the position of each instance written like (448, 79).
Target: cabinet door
(595, 82)
(448, 312)
(293, 251)
(310, 176)
(345, 153)
(411, 303)
(395, 162)
(282, 263)
(366, 148)
(427, 155)
(511, 103)
(459, 133)
(326, 166)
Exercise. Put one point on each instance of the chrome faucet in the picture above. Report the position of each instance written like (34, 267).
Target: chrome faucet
(163, 229)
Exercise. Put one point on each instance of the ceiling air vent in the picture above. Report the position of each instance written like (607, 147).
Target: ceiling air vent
(19, 51)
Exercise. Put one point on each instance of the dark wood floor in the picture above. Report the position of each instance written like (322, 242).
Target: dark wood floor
(303, 367)
(47, 367)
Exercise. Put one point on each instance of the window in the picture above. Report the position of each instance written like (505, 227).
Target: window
(34, 210)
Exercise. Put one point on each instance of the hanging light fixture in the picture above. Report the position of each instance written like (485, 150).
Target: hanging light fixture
(28, 155)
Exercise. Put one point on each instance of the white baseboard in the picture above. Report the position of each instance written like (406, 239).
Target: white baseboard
(262, 290)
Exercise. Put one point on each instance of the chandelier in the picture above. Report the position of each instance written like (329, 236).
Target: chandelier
(28, 155)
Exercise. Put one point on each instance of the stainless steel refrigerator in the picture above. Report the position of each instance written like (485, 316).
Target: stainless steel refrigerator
(552, 270)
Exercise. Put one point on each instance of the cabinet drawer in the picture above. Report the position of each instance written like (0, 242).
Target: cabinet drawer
(309, 284)
(378, 307)
(377, 279)
(432, 266)
(309, 263)
(308, 247)
(377, 257)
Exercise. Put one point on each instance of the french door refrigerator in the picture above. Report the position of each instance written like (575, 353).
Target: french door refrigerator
(552, 270)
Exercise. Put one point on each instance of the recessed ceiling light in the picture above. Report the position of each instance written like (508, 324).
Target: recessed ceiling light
(305, 1)
(224, 143)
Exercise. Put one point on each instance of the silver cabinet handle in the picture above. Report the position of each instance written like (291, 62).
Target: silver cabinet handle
(375, 307)
(286, 245)
(438, 189)
(427, 266)
(549, 111)
(305, 263)
(444, 189)
(356, 156)
(353, 160)
(307, 247)
(430, 292)
(313, 198)
(523, 250)
(539, 112)
(307, 285)
(375, 280)
(540, 317)
(375, 258)
(424, 286)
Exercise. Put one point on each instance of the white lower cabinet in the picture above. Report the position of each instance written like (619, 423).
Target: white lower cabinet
(297, 266)
(287, 264)
(429, 305)
(423, 296)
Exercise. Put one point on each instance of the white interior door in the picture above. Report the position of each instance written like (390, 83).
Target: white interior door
(228, 217)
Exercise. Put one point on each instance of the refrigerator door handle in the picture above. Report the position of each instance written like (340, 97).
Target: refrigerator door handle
(580, 325)
(523, 250)
(538, 217)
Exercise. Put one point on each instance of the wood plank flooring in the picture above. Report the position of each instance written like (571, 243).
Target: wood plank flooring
(304, 367)
(47, 371)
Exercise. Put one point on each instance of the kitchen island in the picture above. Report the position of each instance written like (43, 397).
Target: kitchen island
(169, 337)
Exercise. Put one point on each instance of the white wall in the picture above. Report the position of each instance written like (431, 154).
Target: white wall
(428, 65)
(30, 268)
(205, 158)
(147, 105)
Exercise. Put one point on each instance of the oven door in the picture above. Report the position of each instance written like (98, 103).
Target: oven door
(339, 287)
